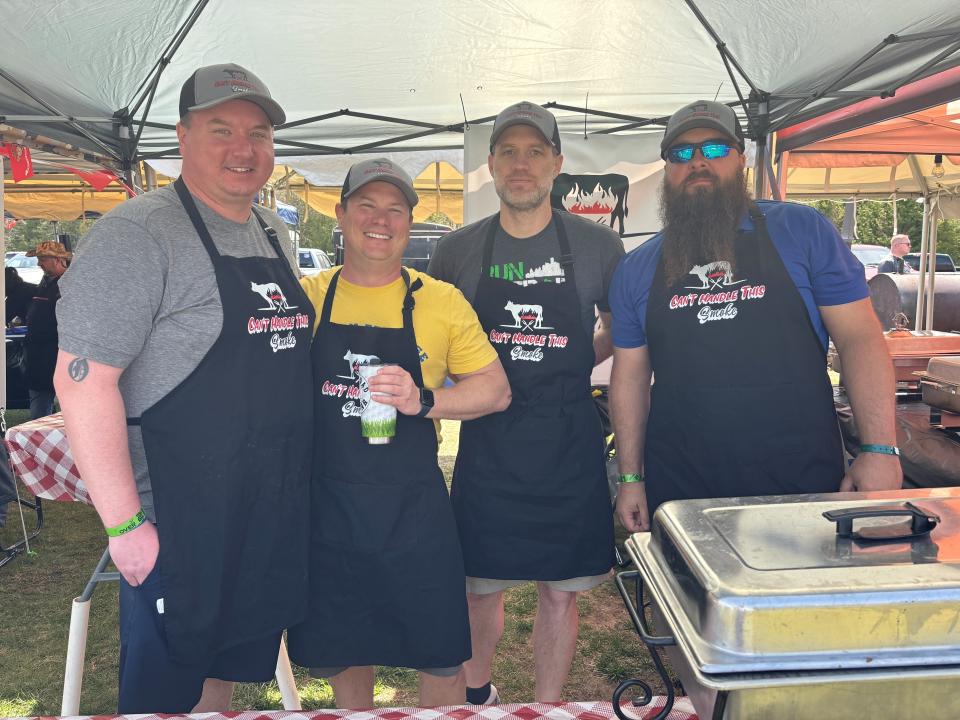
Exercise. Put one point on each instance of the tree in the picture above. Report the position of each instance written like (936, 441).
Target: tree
(317, 230)
(441, 218)
(875, 223)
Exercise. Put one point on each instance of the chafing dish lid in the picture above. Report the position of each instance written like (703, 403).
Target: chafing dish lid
(767, 583)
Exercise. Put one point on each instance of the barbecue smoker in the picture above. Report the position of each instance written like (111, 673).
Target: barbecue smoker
(810, 606)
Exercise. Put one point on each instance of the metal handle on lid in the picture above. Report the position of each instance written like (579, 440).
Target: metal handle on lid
(921, 522)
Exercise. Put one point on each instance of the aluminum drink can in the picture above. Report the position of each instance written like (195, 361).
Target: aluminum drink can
(378, 422)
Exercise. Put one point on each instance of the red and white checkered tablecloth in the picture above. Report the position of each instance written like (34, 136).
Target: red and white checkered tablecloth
(41, 459)
(682, 710)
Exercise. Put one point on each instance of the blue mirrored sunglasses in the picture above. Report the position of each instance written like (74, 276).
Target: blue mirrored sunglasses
(710, 149)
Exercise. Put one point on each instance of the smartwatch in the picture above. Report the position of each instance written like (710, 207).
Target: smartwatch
(426, 402)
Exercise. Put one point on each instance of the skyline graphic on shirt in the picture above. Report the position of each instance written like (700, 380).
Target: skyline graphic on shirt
(549, 272)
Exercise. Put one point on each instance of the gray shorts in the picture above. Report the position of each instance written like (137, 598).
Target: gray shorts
(323, 673)
(485, 586)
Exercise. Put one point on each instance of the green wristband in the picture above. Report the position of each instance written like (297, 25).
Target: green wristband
(880, 449)
(631, 478)
(132, 524)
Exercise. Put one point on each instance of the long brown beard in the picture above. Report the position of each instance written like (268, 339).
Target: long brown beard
(701, 227)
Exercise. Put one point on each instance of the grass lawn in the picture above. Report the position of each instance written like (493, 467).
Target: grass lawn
(36, 593)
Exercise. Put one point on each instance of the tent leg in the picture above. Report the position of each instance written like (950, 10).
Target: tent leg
(932, 263)
(922, 281)
(77, 638)
(76, 650)
(285, 680)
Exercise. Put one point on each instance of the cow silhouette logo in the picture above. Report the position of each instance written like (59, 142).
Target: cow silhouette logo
(355, 360)
(601, 198)
(273, 295)
(525, 317)
(713, 276)
(236, 74)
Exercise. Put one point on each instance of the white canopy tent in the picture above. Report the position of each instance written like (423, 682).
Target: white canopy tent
(357, 76)
(102, 78)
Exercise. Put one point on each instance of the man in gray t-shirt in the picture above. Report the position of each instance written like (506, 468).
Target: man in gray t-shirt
(596, 250)
(529, 489)
(184, 377)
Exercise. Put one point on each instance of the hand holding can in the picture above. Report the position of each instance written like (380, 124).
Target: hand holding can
(378, 421)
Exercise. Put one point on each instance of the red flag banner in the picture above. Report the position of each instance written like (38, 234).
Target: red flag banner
(21, 165)
(97, 179)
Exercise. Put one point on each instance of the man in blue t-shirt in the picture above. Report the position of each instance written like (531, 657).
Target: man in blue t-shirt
(729, 309)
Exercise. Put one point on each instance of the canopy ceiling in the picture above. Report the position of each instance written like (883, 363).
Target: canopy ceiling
(895, 156)
(107, 64)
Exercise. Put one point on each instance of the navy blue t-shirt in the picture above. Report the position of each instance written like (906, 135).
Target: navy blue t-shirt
(819, 263)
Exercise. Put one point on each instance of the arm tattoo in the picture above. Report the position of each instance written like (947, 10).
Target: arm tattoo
(78, 369)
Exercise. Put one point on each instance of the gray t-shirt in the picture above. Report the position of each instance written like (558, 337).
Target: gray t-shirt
(141, 295)
(596, 251)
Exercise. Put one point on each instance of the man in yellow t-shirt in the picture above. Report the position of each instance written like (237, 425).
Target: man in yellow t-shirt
(450, 340)
(387, 585)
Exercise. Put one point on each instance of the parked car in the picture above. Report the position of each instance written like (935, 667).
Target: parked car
(27, 268)
(312, 261)
(869, 256)
(944, 262)
(423, 242)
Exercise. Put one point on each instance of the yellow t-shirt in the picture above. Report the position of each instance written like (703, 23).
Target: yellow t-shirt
(449, 335)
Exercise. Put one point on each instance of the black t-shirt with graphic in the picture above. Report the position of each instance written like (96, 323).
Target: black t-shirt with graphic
(596, 250)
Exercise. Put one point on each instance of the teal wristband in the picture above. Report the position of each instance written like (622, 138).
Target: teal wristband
(132, 524)
(880, 449)
(631, 478)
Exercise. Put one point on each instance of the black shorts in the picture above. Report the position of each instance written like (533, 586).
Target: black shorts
(150, 682)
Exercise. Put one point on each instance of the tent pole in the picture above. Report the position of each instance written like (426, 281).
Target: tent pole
(3, 296)
(774, 186)
(782, 167)
(921, 283)
(894, 212)
(932, 260)
(758, 163)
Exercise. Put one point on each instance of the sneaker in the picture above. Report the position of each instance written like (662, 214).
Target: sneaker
(492, 699)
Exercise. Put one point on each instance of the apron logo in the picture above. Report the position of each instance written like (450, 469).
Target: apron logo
(354, 361)
(273, 295)
(713, 276)
(716, 276)
(527, 342)
(277, 323)
(525, 317)
(356, 392)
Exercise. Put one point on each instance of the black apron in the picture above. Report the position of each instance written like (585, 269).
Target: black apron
(386, 573)
(41, 341)
(228, 452)
(741, 403)
(529, 487)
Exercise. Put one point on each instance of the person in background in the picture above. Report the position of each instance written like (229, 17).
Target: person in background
(40, 344)
(19, 296)
(894, 262)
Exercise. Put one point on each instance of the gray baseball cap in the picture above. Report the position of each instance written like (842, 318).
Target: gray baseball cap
(527, 113)
(702, 114)
(215, 84)
(382, 170)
